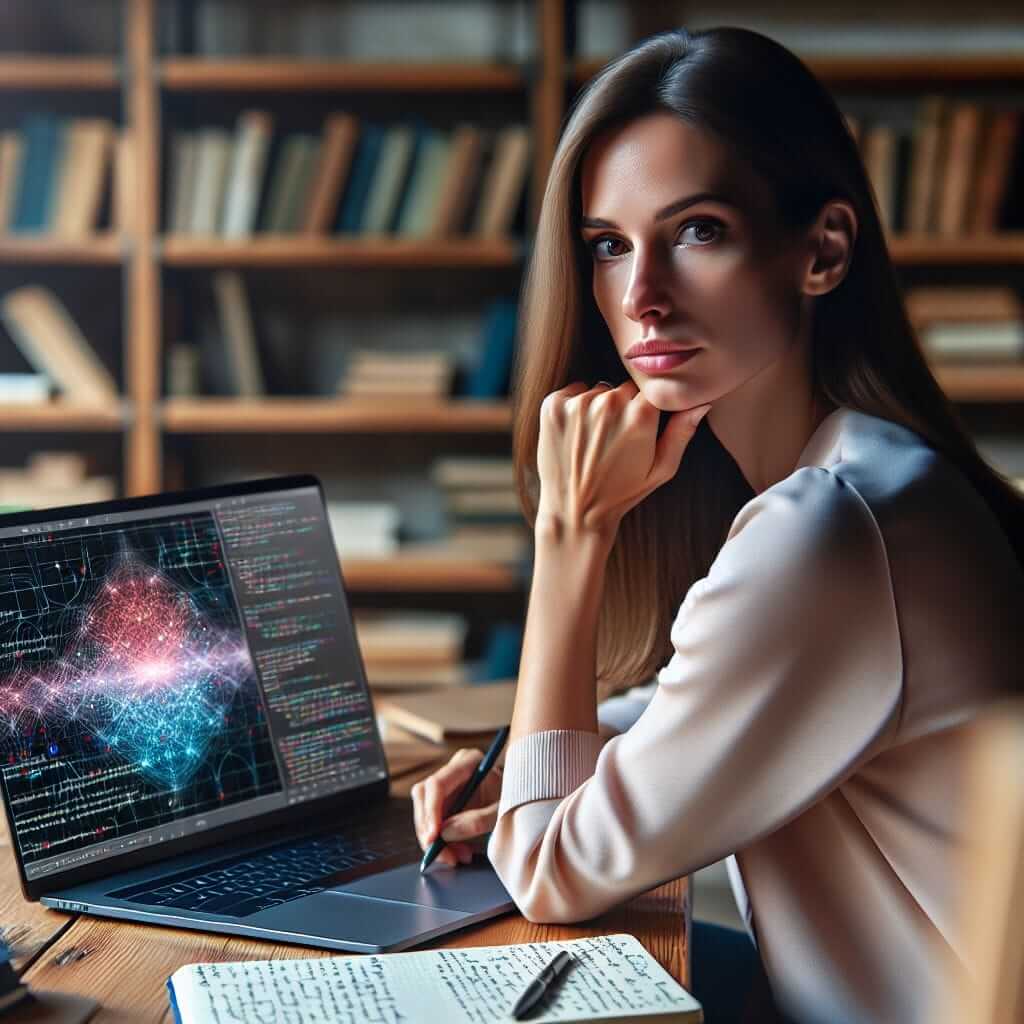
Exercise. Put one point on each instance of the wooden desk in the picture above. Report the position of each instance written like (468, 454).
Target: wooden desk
(128, 964)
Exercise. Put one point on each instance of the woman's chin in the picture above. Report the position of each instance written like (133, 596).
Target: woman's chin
(668, 395)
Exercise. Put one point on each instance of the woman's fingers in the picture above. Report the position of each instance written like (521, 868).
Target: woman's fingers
(432, 793)
(470, 824)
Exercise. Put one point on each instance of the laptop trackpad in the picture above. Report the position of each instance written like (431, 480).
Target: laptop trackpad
(354, 922)
(471, 888)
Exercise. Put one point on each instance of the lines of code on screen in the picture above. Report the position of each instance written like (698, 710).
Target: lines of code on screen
(128, 697)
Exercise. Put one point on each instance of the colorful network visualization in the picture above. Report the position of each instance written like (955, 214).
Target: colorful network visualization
(128, 697)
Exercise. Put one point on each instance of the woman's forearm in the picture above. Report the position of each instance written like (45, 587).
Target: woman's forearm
(557, 671)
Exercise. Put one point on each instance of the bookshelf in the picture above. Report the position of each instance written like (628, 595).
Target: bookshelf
(156, 90)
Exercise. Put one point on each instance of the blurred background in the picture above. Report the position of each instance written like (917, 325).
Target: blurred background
(248, 237)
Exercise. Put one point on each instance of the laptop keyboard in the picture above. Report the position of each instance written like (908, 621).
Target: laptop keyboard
(247, 884)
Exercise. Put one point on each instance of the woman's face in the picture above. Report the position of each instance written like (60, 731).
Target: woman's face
(687, 253)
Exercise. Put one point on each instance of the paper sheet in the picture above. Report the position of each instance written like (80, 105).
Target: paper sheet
(612, 976)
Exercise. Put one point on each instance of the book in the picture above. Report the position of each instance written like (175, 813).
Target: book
(341, 135)
(990, 303)
(40, 325)
(880, 162)
(404, 677)
(360, 180)
(994, 163)
(10, 161)
(82, 177)
(923, 164)
(425, 182)
(289, 183)
(212, 157)
(125, 183)
(393, 168)
(439, 717)
(24, 387)
(238, 333)
(469, 471)
(490, 377)
(184, 148)
(246, 173)
(979, 341)
(42, 142)
(503, 183)
(964, 126)
(387, 637)
(406, 755)
(612, 979)
(457, 184)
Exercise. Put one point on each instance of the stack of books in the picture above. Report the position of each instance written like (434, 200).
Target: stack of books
(411, 649)
(968, 323)
(949, 171)
(42, 328)
(374, 374)
(50, 479)
(364, 529)
(357, 178)
(484, 512)
(56, 174)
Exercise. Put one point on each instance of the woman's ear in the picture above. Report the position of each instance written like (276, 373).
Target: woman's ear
(830, 241)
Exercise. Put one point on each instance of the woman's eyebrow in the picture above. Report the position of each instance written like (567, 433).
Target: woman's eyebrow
(667, 211)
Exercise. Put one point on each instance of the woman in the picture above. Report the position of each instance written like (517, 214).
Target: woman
(849, 568)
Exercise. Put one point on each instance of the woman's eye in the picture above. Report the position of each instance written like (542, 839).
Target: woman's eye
(607, 247)
(700, 232)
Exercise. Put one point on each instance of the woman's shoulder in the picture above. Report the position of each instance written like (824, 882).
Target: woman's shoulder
(794, 544)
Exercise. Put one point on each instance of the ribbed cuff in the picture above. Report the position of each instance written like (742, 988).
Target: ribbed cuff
(547, 766)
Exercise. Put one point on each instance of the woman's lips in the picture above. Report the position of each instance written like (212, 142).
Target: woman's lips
(664, 362)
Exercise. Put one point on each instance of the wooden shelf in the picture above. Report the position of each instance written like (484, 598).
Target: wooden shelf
(990, 383)
(310, 415)
(294, 251)
(31, 72)
(919, 70)
(1007, 247)
(189, 74)
(428, 574)
(103, 249)
(62, 414)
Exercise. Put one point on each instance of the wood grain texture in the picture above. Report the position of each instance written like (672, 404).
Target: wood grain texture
(311, 251)
(183, 74)
(349, 415)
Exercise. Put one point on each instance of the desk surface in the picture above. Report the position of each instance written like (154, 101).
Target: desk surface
(128, 964)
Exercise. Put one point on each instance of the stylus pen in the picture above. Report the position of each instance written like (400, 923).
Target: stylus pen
(538, 988)
(467, 791)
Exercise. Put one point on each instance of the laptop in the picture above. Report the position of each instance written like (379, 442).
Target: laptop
(187, 737)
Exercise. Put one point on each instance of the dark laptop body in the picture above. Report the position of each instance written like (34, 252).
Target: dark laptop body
(186, 733)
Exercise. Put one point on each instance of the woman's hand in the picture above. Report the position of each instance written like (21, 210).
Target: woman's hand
(436, 792)
(599, 454)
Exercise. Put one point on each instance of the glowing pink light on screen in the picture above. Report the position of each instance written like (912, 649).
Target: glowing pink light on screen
(146, 674)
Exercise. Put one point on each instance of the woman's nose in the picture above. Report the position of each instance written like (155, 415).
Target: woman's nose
(647, 291)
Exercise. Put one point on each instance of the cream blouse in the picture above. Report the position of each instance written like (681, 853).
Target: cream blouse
(811, 721)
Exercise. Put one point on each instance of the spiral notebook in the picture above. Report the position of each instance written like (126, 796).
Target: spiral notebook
(612, 979)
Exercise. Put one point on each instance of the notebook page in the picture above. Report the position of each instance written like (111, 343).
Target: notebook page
(612, 976)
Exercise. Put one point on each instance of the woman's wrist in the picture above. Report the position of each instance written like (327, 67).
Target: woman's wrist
(553, 530)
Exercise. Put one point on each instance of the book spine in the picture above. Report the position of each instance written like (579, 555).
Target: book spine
(37, 174)
(245, 178)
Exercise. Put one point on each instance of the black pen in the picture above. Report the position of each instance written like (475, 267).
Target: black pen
(538, 988)
(467, 791)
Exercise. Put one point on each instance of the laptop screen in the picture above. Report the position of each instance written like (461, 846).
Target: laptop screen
(171, 670)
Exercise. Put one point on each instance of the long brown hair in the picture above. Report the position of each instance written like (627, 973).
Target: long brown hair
(766, 105)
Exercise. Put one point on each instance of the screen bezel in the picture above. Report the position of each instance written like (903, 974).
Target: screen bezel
(295, 815)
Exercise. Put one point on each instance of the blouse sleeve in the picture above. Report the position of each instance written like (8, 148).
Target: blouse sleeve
(786, 677)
